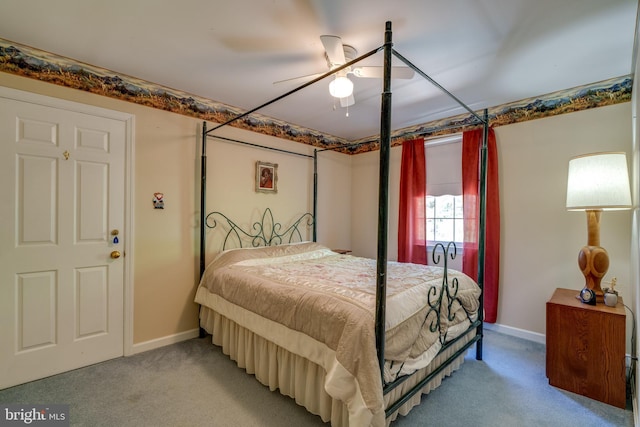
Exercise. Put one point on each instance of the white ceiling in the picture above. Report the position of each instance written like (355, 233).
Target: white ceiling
(486, 52)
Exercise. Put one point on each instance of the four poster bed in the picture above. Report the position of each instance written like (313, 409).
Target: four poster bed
(355, 341)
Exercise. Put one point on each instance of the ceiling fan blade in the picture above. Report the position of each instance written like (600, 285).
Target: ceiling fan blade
(334, 50)
(347, 101)
(377, 72)
(301, 78)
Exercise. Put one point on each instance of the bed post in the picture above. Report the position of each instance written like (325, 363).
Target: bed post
(315, 191)
(203, 204)
(203, 192)
(481, 231)
(383, 200)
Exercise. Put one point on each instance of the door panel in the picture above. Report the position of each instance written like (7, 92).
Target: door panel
(61, 294)
(92, 200)
(91, 301)
(36, 309)
(37, 185)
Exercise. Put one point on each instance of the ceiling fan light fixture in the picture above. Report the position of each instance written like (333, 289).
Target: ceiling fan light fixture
(341, 87)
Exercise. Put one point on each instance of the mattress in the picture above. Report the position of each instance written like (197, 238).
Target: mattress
(320, 305)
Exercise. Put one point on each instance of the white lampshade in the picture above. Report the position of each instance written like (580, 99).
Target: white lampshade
(341, 87)
(598, 181)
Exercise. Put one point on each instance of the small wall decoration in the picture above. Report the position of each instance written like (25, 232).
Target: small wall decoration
(266, 177)
(158, 200)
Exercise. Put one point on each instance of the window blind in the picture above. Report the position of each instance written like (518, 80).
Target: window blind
(444, 166)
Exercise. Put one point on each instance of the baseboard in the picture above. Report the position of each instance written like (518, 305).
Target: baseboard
(515, 332)
(634, 404)
(161, 342)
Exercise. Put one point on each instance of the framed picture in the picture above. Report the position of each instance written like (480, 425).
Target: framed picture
(266, 177)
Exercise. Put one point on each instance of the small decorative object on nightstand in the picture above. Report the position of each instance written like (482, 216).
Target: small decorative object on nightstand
(588, 296)
(611, 295)
(586, 348)
(342, 251)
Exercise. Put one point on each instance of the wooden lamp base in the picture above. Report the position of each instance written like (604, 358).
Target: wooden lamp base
(594, 263)
(593, 260)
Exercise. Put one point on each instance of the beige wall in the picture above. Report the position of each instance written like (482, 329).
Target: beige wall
(364, 219)
(166, 242)
(231, 183)
(540, 239)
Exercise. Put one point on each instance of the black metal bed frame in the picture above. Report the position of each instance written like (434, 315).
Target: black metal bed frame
(266, 232)
(383, 208)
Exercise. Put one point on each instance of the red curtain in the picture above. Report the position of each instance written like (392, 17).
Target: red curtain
(411, 222)
(471, 144)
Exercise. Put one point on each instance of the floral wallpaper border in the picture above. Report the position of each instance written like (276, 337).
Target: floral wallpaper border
(37, 64)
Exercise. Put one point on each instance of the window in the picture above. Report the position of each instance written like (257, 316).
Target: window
(445, 219)
(444, 213)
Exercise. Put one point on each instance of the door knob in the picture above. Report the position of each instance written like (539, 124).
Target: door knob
(115, 254)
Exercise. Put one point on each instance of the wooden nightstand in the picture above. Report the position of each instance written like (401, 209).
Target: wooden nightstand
(342, 251)
(586, 347)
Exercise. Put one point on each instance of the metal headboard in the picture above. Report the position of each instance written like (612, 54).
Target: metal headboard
(265, 232)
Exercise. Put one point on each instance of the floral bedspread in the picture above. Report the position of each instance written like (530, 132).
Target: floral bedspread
(331, 297)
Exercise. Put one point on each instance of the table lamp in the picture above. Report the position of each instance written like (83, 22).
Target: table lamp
(597, 182)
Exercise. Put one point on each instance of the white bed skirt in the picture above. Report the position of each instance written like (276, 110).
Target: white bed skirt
(297, 377)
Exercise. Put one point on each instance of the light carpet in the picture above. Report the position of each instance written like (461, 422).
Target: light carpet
(193, 384)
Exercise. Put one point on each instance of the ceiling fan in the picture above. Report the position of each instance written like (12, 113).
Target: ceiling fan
(338, 54)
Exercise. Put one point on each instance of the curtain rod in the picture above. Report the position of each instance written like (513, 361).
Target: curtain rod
(443, 139)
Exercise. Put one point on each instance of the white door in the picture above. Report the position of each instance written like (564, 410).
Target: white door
(62, 189)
